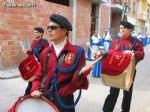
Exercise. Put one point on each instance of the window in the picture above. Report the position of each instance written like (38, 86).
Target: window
(128, 3)
(62, 2)
(148, 16)
(134, 8)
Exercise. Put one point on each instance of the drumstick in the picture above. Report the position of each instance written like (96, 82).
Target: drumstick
(90, 65)
(90, 47)
(22, 46)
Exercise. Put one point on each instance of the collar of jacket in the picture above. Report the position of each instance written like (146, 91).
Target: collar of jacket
(126, 37)
(68, 47)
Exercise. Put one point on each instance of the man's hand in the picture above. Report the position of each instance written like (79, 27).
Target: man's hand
(24, 50)
(127, 52)
(87, 43)
(36, 93)
(96, 55)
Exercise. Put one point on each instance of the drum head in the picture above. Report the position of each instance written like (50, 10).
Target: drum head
(35, 105)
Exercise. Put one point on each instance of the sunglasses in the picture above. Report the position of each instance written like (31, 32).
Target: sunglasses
(36, 32)
(53, 27)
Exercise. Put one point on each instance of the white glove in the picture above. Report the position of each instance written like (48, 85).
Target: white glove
(127, 52)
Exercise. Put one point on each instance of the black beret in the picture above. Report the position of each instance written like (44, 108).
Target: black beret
(127, 24)
(39, 29)
(62, 21)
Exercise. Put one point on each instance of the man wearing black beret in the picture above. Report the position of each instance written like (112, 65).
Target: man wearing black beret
(63, 66)
(127, 25)
(128, 45)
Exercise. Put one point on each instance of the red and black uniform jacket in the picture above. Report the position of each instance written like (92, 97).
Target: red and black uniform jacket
(44, 44)
(127, 43)
(72, 79)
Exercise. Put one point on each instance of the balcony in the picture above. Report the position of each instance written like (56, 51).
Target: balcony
(99, 1)
(116, 8)
(142, 15)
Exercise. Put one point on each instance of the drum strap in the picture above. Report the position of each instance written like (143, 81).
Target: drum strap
(36, 49)
(117, 44)
(123, 47)
(132, 46)
(42, 89)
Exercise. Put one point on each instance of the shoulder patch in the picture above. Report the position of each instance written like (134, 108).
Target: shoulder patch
(69, 58)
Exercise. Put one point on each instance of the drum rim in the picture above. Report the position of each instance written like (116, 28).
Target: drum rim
(42, 98)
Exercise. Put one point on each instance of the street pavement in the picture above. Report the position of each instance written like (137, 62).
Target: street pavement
(92, 99)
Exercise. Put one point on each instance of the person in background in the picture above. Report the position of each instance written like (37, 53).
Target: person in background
(148, 38)
(140, 36)
(128, 45)
(92, 45)
(97, 47)
(90, 55)
(37, 46)
(107, 40)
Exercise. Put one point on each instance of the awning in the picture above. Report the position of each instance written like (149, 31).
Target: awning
(99, 1)
(116, 8)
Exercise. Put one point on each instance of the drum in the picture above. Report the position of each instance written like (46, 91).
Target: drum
(118, 70)
(28, 68)
(31, 104)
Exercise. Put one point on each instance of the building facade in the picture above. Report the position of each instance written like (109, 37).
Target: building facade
(19, 17)
(132, 6)
(106, 16)
(138, 14)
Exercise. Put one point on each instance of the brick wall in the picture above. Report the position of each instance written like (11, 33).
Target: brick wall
(17, 23)
(83, 22)
(104, 18)
(115, 18)
(115, 24)
(116, 1)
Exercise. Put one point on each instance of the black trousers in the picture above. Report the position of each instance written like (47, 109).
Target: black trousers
(112, 99)
(28, 89)
(68, 100)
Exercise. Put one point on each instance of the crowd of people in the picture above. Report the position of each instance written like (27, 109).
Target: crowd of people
(98, 44)
(144, 38)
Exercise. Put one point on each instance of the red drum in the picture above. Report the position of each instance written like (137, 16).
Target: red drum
(31, 104)
(118, 69)
(28, 68)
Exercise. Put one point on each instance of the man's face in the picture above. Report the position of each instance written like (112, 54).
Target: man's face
(56, 33)
(37, 34)
(124, 31)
